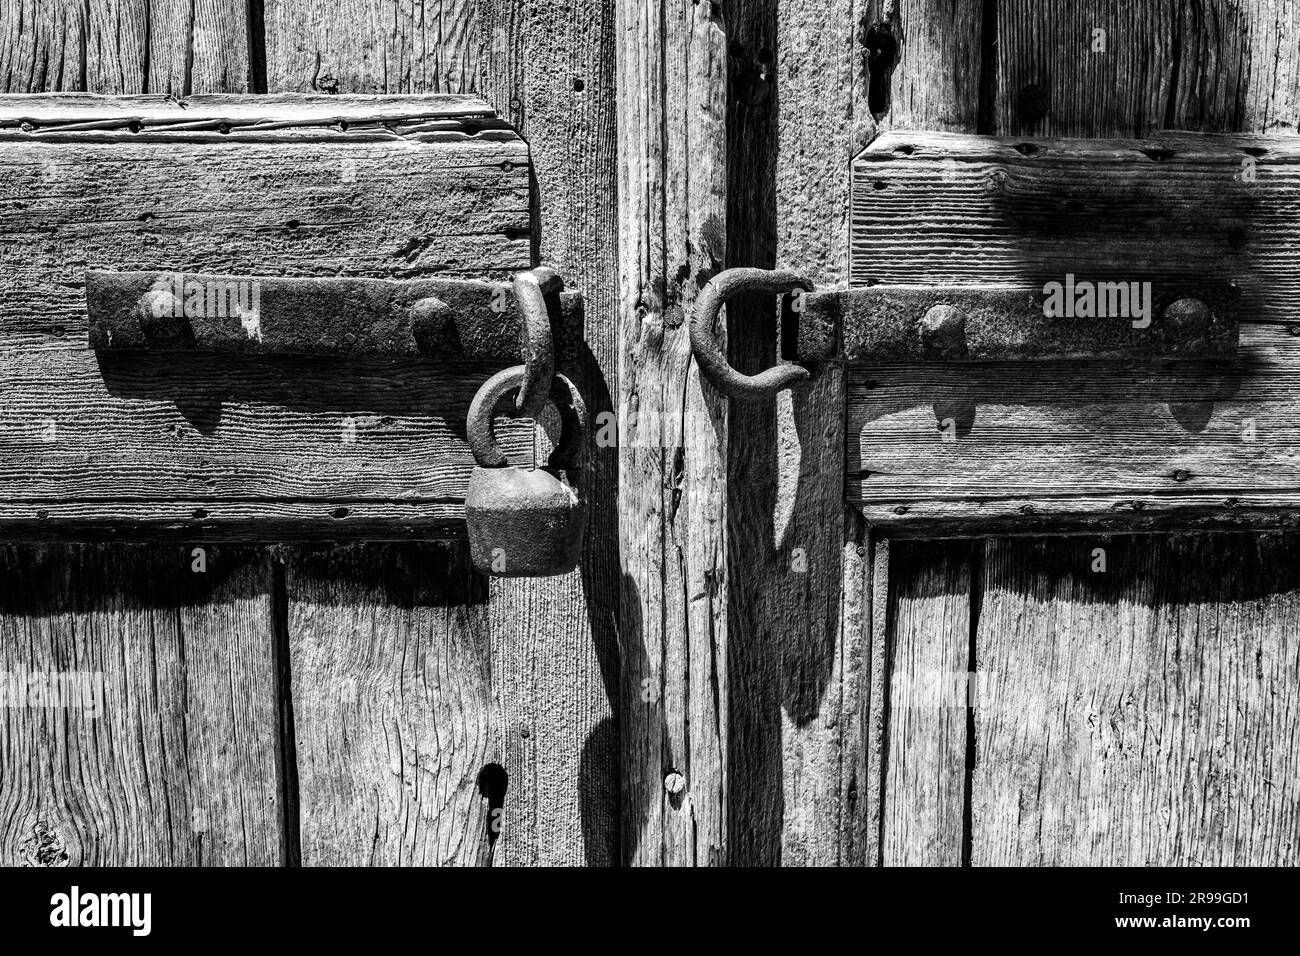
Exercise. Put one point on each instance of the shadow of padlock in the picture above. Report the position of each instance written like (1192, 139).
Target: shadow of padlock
(525, 522)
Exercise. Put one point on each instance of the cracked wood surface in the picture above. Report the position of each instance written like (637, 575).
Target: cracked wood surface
(179, 765)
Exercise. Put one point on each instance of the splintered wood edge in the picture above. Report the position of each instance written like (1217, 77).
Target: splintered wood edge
(236, 109)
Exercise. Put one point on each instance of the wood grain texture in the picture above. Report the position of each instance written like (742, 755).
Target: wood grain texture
(317, 114)
(803, 103)
(1156, 64)
(929, 647)
(373, 46)
(175, 47)
(794, 115)
(1107, 436)
(935, 48)
(180, 766)
(392, 706)
(550, 71)
(548, 67)
(231, 434)
(673, 434)
(1141, 715)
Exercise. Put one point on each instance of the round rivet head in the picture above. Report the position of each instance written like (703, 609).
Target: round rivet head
(674, 783)
(160, 313)
(1188, 315)
(943, 332)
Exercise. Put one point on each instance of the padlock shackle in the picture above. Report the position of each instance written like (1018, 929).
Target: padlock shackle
(564, 395)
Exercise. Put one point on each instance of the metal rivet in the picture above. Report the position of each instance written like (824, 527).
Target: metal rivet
(1188, 315)
(158, 304)
(943, 332)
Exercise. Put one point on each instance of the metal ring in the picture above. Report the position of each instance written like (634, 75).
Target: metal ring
(704, 340)
(536, 344)
(480, 432)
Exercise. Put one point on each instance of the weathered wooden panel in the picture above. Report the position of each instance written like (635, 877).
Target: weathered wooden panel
(672, 436)
(177, 762)
(549, 68)
(1099, 68)
(928, 638)
(373, 46)
(392, 707)
(175, 47)
(551, 72)
(218, 442)
(1049, 444)
(1140, 712)
(811, 83)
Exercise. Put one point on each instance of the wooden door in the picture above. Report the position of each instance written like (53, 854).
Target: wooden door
(1131, 710)
(723, 680)
(287, 703)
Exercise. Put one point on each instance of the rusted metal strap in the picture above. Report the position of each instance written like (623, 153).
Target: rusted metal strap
(1081, 319)
(435, 318)
(905, 324)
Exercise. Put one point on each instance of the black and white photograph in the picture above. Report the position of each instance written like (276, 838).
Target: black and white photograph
(846, 435)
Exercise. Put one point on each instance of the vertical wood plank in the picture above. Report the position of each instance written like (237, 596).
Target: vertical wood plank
(125, 46)
(1144, 714)
(672, 443)
(179, 768)
(373, 46)
(810, 86)
(1096, 68)
(549, 68)
(182, 768)
(929, 637)
(392, 706)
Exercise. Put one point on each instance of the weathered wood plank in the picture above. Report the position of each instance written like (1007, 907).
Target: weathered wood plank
(929, 658)
(1096, 68)
(672, 441)
(373, 46)
(805, 99)
(392, 706)
(179, 767)
(1067, 445)
(174, 47)
(551, 72)
(938, 209)
(917, 65)
(1143, 714)
(994, 442)
(233, 433)
(549, 68)
(288, 109)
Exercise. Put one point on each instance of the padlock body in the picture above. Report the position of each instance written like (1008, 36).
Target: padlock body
(523, 522)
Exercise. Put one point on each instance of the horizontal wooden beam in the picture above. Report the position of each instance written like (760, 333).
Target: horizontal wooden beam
(1100, 437)
(270, 446)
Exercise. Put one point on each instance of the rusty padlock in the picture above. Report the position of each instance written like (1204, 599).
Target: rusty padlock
(525, 522)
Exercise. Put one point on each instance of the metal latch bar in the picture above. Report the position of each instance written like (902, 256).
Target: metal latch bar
(978, 323)
(901, 324)
(451, 319)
